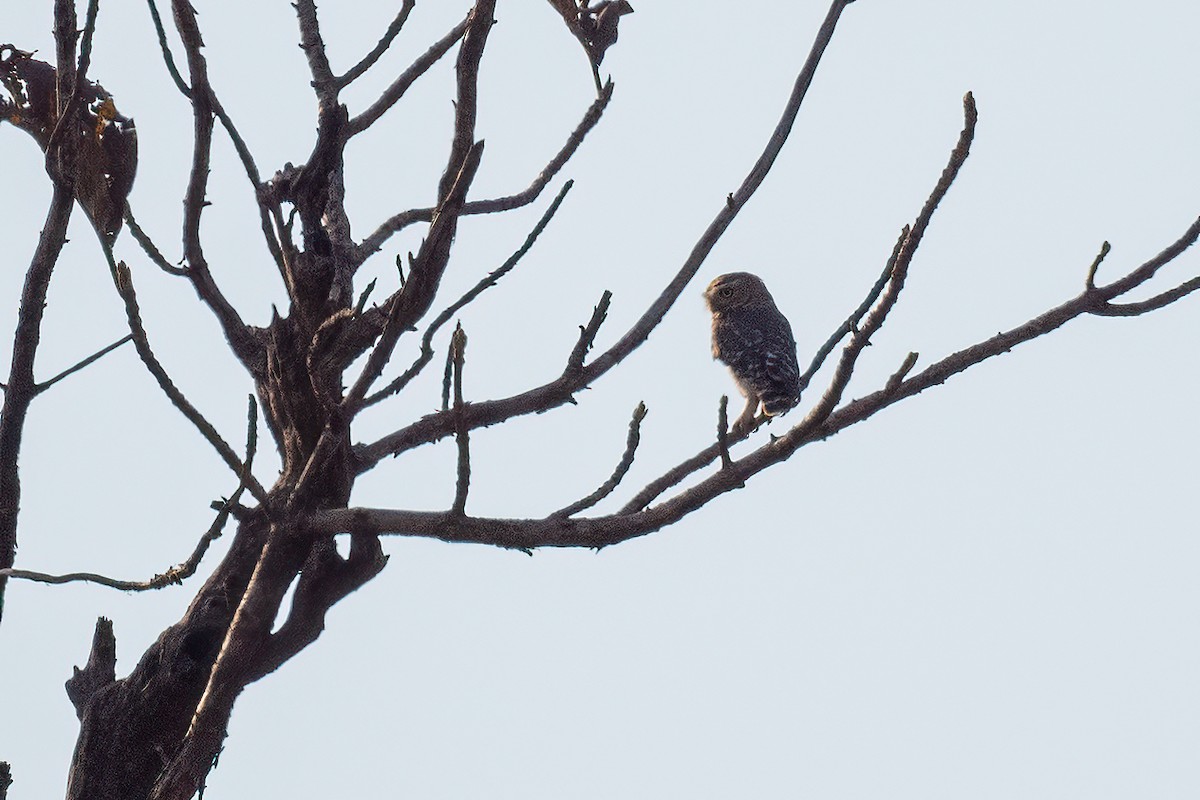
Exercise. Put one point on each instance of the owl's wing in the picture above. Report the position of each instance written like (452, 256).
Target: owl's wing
(779, 358)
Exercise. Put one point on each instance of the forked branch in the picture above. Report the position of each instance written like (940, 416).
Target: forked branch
(393, 30)
(399, 222)
(486, 283)
(398, 87)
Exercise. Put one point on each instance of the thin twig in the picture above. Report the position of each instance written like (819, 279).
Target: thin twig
(614, 480)
(462, 436)
(375, 241)
(380, 48)
(365, 295)
(20, 388)
(681, 471)
(251, 168)
(1151, 304)
(448, 376)
(244, 344)
(1150, 267)
(852, 321)
(124, 281)
(406, 79)
(142, 238)
(1090, 282)
(898, 376)
(426, 354)
(587, 334)
(94, 357)
(169, 59)
(723, 431)
(176, 575)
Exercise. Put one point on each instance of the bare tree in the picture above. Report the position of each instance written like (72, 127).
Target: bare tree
(156, 732)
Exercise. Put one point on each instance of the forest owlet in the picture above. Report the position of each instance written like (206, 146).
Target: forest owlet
(752, 336)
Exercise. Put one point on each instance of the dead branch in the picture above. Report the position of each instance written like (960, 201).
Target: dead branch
(20, 389)
(323, 82)
(852, 321)
(359, 69)
(722, 432)
(267, 214)
(165, 46)
(245, 344)
(396, 90)
(94, 357)
(462, 435)
(906, 366)
(631, 522)
(729, 207)
(143, 239)
(614, 480)
(374, 242)
(124, 281)
(1150, 304)
(273, 244)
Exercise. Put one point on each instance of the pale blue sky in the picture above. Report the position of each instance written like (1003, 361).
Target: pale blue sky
(988, 591)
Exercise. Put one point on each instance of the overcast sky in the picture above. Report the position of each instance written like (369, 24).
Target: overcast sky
(988, 591)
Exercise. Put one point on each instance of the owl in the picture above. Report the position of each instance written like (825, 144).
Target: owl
(754, 339)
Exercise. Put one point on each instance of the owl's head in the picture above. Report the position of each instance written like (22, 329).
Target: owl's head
(737, 290)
